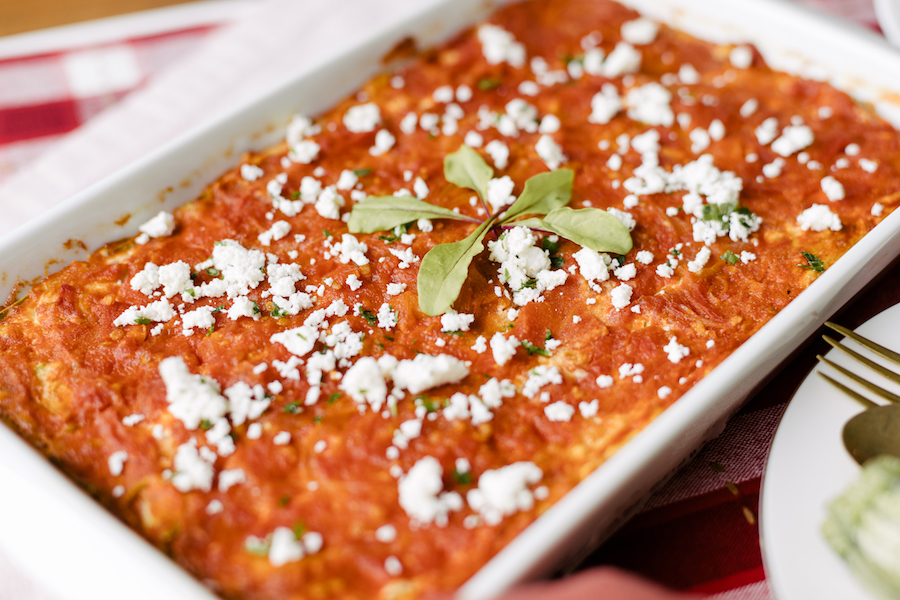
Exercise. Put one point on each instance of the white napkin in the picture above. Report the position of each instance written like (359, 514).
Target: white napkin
(234, 65)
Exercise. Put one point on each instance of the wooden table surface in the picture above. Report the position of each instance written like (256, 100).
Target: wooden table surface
(17, 16)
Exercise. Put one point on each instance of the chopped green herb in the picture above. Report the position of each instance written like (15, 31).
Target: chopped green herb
(389, 338)
(395, 234)
(142, 321)
(210, 330)
(299, 529)
(814, 262)
(430, 404)
(256, 309)
(369, 316)
(206, 424)
(191, 292)
(462, 478)
(487, 84)
(453, 332)
(254, 545)
(531, 283)
(532, 349)
(213, 272)
(362, 172)
(283, 501)
(620, 259)
(334, 397)
(380, 345)
(327, 233)
(675, 252)
(552, 248)
(317, 419)
(295, 195)
(511, 325)
(218, 309)
(278, 312)
(293, 408)
(730, 257)
(548, 335)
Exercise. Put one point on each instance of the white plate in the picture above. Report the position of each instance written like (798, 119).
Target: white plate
(807, 467)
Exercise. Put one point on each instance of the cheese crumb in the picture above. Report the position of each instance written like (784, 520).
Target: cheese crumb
(675, 351)
(819, 217)
(833, 188)
(504, 491)
(559, 411)
(421, 494)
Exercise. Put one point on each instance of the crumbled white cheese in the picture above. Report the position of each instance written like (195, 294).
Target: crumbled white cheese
(539, 377)
(550, 152)
(426, 371)
(499, 153)
(421, 494)
(499, 193)
(230, 477)
(362, 118)
(504, 491)
(193, 469)
(201, 317)
(192, 398)
(748, 108)
(604, 381)
(387, 318)
(622, 60)
(675, 351)
(650, 104)
(503, 348)
(304, 152)
(819, 217)
(834, 189)
(456, 321)
(645, 257)
(384, 141)
(605, 104)
(640, 31)
(364, 382)
(559, 411)
(499, 46)
(741, 57)
(589, 409)
(480, 345)
(700, 260)
(869, 166)
(250, 172)
(162, 224)
(793, 139)
(116, 462)
(621, 296)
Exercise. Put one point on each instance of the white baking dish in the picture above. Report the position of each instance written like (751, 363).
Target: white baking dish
(77, 550)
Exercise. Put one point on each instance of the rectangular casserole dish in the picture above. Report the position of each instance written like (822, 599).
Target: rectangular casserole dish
(73, 546)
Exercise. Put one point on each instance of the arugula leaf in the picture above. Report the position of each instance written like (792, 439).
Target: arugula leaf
(381, 213)
(444, 270)
(589, 227)
(543, 193)
(467, 169)
(815, 263)
(730, 257)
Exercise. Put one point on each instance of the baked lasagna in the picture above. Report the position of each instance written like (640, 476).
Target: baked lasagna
(294, 400)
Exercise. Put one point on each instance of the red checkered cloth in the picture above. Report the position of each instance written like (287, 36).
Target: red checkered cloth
(698, 533)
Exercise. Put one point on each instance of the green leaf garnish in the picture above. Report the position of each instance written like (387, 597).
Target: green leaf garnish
(326, 233)
(487, 84)
(206, 424)
(444, 270)
(142, 321)
(299, 529)
(369, 316)
(445, 267)
(213, 272)
(380, 213)
(462, 478)
(283, 501)
(467, 169)
(730, 257)
(362, 172)
(588, 227)
(333, 397)
(543, 193)
(814, 262)
(293, 408)
(532, 349)
(278, 312)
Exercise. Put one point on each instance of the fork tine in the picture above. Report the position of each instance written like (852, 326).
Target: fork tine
(859, 357)
(889, 396)
(858, 397)
(876, 348)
